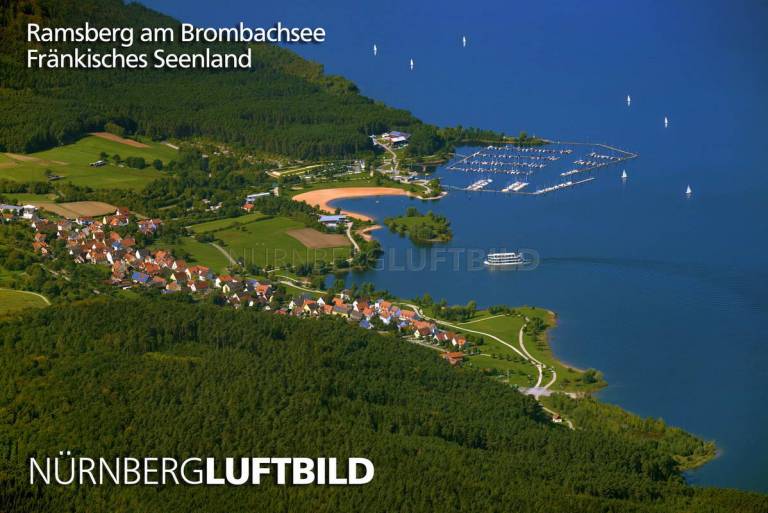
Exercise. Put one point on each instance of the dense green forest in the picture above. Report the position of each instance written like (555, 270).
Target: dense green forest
(284, 104)
(163, 377)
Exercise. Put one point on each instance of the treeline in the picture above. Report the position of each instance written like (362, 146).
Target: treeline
(283, 105)
(591, 414)
(149, 377)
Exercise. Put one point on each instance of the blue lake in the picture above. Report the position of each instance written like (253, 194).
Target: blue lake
(666, 295)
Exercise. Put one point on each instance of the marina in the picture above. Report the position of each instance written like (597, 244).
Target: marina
(542, 168)
(479, 185)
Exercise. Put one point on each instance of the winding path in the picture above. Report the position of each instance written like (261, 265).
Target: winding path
(524, 353)
(351, 238)
(47, 302)
(224, 252)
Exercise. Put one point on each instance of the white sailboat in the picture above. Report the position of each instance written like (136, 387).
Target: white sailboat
(375, 50)
(666, 121)
(629, 100)
(411, 64)
(688, 191)
(464, 41)
(624, 175)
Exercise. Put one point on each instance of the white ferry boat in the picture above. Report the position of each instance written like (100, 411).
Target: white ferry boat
(501, 259)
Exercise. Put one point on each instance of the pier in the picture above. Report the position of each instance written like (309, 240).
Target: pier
(550, 168)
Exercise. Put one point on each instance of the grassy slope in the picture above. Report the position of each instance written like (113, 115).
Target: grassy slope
(507, 328)
(76, 158)
(220, 224)
(16, 300)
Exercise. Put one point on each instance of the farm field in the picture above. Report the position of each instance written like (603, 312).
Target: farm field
(220, 224)
(315, 239)
(15, 300)
(75, 209)
(266, 242)
(71, 163)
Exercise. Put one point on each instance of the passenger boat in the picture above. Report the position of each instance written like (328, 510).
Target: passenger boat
(504, 259)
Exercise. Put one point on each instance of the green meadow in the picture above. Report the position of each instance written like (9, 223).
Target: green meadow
(196, 253)
(71, 163)
(355, 180)
(265, 242)
(15, 300)
(507, 328)
(231, 222)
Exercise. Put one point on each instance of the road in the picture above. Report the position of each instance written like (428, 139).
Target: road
(391, 151)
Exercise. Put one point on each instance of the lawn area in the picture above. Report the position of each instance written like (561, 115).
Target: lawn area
(71, 163)
(265, 242)
(231, 222)
(196, 252)
(507, 328)
(15, 300)
(356, 180)
(513, 371)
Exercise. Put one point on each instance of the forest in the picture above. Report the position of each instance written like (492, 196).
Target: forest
(162, 377)
(284, 104)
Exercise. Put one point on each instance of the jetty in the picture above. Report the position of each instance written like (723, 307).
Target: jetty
(479, 185)
(563, 163)
(560, 186)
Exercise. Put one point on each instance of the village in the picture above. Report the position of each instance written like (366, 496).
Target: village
(90, 240)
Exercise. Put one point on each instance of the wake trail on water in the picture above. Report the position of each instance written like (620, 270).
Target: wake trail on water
(746, 284)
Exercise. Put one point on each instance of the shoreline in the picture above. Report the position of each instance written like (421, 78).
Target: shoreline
(555, 324)
(321, 198)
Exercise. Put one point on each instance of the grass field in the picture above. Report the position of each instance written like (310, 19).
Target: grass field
(220, 224)
(265, 242)
(15, 300)
(507, 328)
(200, 253)
(71, 163)
(356, 180)
(25, 198)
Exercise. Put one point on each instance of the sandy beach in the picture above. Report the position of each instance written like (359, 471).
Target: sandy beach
(323, 197)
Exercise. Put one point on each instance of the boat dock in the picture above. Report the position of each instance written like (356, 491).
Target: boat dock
(560, 186)
(559, 162)
(515, 187)
(479, 185)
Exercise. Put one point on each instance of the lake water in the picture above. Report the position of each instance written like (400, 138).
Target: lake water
(664, 294)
